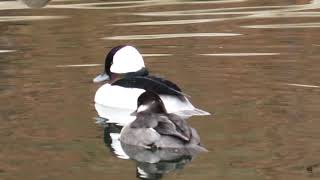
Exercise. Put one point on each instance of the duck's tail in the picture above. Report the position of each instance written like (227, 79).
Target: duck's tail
(193, 112)
(199, 112)
(194, 149)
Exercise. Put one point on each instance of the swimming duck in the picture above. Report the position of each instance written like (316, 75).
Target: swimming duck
(154, 128)
(128, 78)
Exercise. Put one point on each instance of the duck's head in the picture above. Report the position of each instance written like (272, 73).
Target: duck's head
(150, 102)
(122, 61)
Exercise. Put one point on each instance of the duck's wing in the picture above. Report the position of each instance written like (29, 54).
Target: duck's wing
(162, 125)
(165, 82)
(151, 83)
(167, 127)
(181, 125)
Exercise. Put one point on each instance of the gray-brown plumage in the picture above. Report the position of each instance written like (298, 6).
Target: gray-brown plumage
(154, 127)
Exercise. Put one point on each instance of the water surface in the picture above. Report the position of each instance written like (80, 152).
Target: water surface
(253, 63)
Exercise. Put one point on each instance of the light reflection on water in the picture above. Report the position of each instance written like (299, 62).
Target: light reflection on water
(241, 54)
(28, 18)
(215, 11)
(155, 55)
(304, 85)
(254, 63)
(174, 22)
(286, 26)
(6, 5)
(166, 36)
(6, 51)
(79, 65)
(136, 4)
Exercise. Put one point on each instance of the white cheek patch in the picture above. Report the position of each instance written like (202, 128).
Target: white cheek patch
(142, 108)
(127, 59)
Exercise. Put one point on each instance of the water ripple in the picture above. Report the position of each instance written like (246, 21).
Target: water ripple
(253, 12)
(213, 11)
(79, 65)
(105, 5)
(29, 18)
(304, 85)
(241, 54)
(94, 65)
(172, 22)
(135, 4)
(6, 5)
(167, 36)
(263, 11)
(155, 55)
(284, 26)
(7, 51)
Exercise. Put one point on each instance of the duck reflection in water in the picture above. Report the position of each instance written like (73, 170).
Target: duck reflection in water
(150, 164)
(35, 3)
(158, 141)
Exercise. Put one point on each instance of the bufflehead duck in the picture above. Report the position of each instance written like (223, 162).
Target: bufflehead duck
(155, 128)
(128, 79)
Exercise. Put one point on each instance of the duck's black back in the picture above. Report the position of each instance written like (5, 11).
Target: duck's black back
(151, 83)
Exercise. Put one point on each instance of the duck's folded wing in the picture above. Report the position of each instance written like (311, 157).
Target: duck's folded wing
(181, 125)
(162, 125)
(151, 83)
(166, 127)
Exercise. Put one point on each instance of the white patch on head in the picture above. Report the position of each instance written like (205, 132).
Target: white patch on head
(127, 59)
(142, 108)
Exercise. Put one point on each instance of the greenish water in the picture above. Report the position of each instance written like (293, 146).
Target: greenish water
(252, 63)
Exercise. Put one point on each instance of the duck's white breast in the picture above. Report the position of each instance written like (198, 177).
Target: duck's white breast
(117, 96)
(116, 115)
(125, 98)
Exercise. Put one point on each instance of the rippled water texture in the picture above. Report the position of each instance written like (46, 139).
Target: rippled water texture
(254, 64)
